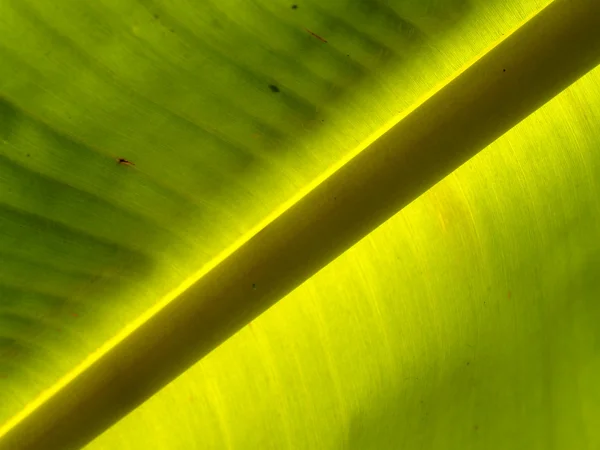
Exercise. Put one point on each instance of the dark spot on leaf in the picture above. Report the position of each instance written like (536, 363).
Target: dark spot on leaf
(294, 6)
(468, 363)
(156, 16)
(254, 286)
(503, 70)
(28, 155)
(125, 162)
(171, 30)
(273, 88)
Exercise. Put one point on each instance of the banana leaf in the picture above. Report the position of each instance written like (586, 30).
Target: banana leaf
(144, 143)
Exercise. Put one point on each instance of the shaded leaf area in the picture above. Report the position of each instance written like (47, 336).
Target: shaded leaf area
(224, 109)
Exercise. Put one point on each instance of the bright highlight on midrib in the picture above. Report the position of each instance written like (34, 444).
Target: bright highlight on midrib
(131, 327)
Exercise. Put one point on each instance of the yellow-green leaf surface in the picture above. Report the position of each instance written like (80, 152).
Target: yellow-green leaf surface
(467, 321)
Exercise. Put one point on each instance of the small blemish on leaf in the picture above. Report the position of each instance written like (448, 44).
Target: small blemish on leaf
(125, 162)
(254, 286)
(316, 36)
(294, 6)
(274, 88)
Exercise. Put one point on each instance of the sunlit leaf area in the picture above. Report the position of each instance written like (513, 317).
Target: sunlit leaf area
(140, 138)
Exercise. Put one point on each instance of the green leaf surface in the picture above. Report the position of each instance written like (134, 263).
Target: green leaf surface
(226, 110)
(469, 320)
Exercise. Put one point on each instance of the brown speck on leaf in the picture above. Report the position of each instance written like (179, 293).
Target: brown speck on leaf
(509, 294)
(274, 88)
(316, 35)
(294, 6)
(254, 286)
(125, 162)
